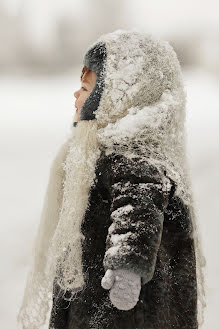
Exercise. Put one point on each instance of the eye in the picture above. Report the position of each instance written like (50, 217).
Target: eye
(84, 88)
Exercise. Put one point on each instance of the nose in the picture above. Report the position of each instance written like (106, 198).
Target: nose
(76, 94)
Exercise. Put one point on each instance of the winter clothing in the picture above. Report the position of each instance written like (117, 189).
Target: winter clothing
(157, 228)
(126, 201)
(108, 279)
(125, 287)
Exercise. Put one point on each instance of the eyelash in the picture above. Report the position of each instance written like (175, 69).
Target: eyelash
(83, 88)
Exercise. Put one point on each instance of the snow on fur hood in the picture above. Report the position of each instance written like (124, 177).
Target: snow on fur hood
(139, 100)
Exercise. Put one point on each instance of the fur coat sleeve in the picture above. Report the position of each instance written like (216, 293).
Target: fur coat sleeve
(139, 194)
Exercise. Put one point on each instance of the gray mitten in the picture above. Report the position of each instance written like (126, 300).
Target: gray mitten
(125, 287)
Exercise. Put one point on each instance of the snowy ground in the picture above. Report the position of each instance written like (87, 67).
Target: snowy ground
(35, 118)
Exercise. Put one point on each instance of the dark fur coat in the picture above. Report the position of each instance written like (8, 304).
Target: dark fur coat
(160, 249)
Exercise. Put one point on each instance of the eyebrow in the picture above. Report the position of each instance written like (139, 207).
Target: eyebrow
(85, 81)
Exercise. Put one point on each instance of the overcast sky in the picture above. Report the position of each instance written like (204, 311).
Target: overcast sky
(155, 14)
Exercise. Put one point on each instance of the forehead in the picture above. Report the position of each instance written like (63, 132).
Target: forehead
(84, 72)
(86, 75)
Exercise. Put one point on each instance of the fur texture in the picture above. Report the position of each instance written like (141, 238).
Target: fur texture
(134, 221)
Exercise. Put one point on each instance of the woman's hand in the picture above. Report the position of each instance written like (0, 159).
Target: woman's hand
(125, 287)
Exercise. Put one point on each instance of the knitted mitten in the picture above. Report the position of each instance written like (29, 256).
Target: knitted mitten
(125, 287)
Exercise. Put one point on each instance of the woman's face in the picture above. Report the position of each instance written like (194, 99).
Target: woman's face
(87, 85)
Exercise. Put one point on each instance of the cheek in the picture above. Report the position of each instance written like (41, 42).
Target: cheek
(82, 99)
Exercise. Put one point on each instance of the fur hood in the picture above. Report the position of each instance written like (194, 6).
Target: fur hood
(138, 101)
(133, 71)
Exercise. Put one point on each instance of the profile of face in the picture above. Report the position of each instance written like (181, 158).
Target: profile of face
(88, 80)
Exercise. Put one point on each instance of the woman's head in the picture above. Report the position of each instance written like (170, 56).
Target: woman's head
(88, 80)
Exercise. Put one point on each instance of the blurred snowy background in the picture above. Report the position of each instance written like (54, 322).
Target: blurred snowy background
(41, 49)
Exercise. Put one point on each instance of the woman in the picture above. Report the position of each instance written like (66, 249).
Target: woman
(123, 249)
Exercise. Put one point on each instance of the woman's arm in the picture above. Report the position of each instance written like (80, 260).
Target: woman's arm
(140, 194)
